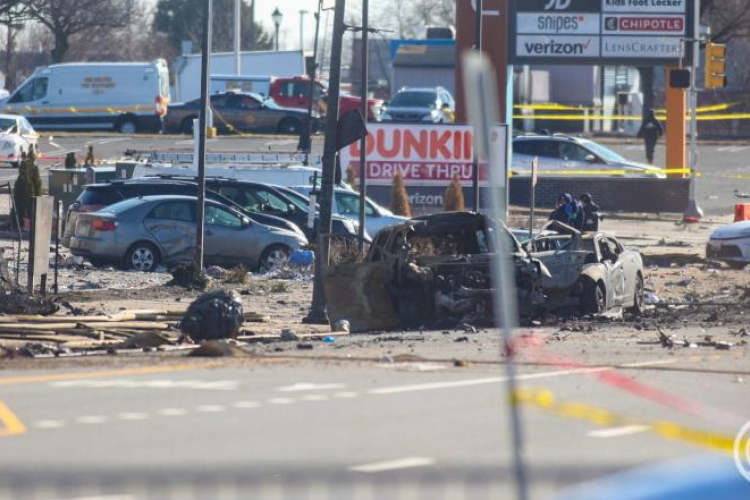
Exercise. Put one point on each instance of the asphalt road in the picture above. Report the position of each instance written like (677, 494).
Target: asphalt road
(383, 429)
(724, 167)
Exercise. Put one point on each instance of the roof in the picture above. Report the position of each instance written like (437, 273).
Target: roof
(425, 56)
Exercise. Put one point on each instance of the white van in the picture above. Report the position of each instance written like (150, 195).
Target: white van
(125, 97)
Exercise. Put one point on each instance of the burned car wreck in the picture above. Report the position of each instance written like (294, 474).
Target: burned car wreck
(430, 271)
(591, 273)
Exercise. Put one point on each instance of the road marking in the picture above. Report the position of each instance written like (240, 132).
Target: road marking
(315, 397)
(172, 412)
(345, 395)
(311, 387)
(48, 424)
(219, 385)
(481, 381)
(247, 404)
(618, 431)
(280, 401)
(286, 142)
(12, 425)
(633, 147)
(211, 408)
(400, 463)
(132, 415)
(731, 149)
(91, 419)
(59, 377)
(109, 141)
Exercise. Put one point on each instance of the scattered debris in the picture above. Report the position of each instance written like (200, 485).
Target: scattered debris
(236, 275)
(341, 325)
(288, 336)
(305, 347)
(218, 349)
(188, 276)
(214, 315)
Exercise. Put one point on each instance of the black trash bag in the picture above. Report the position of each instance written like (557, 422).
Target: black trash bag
(214, 315)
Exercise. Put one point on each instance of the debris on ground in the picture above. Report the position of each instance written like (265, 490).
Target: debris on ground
(214, 315)
(188, 276)
(218, 349)
(236, 276)
(17, 301)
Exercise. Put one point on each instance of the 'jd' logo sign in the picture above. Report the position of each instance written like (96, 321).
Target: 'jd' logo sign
(557, 4)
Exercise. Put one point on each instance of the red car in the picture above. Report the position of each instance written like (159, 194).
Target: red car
(293, 93)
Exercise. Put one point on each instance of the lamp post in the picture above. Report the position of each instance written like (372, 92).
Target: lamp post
(302, 14)
(277, 17)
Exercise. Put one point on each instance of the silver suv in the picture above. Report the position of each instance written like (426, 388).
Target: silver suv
(420, 104)
(565, 155)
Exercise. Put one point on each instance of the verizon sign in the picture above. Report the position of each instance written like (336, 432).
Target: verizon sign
(424, 155)
(641, 32)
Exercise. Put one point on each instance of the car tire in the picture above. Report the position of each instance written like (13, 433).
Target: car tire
(290, 126)
(738, 266)
(593, 298)
(127, 125)
(186, 127)
(637, 307)
(142, 256)
(274, 257)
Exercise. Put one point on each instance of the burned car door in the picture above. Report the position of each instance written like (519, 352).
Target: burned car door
(615, 271)
(172, 225)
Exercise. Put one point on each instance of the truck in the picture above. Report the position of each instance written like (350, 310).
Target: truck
(124, 97)
(292, 92)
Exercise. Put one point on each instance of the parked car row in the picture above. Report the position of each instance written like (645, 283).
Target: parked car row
(109, 222)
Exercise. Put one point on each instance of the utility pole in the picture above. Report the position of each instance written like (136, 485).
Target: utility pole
(305, 142)
(477, 48)
(302, 14)
(252, 25)
(365, 62)
(694, 213)
(318, 310)
(205, 104)
(238, 37)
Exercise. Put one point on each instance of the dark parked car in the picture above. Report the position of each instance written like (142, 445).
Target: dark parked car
(239, 112)
(97, 196)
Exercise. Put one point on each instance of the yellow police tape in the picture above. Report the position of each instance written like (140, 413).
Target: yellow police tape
(546, 400)
(563, 107)
(619, 173)
(716, 117)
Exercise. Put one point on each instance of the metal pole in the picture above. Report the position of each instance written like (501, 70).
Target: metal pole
(534, 171)
(365, 61)
(277, 38)
(205, 74)
(57, 243)
(302, 13)
(305, 141)
(694, 213)
(475, 162)
(251, 46)
(238, 37)
(318, 309)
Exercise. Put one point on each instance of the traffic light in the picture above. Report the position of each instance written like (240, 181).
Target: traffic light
(716, 64)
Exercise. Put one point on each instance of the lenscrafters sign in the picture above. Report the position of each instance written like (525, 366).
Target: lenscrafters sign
(632, 32)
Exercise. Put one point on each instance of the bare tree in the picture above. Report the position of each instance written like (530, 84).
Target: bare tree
(67, 18)
(728, 19)
(13, 14)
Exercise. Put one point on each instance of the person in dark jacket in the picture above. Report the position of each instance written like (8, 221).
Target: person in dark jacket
(567, 211)
(590, 214)
(650, 132)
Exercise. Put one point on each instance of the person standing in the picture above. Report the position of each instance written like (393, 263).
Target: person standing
(650, 131)
(567, 211)
(590, 211)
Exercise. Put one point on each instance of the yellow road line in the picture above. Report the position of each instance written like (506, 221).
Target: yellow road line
(61, 377)
(12, 425)
(544, 399)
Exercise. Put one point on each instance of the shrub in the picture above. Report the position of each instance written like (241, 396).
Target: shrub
(70, 161)
(27, 186)
(399, 199)
(454, 197)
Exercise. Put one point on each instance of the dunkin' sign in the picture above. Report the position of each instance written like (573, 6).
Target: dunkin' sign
(424, 155)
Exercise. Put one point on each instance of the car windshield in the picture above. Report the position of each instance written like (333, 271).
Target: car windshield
(300, 201)
(123, 206)
(7, 124)
(602, 152)
(414, 99)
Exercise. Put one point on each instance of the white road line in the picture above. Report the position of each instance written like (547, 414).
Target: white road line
(496, 380)
(172, 412)
(618, 431)
(345, 395)
(109, 141)
(633, 147)
(315, 397)
(105, 497)
(246, 404)
(132, 415)
(91, 419)
(48, 424)
(400, 463)
(280, 401)
(731, 149)
(311, 387)
(210, 408)
(286, 142)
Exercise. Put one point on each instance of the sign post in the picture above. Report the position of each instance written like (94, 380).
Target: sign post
(534, 173)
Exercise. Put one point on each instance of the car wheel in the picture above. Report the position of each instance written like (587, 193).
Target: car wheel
(143, 256)
(637, 307)
(186, 127)
(593, 298)
(127, 125)
(274, 258)
(290, 126)
(739, 266)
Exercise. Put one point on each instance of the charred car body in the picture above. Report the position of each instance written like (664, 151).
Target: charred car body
(590, 273)
(431, 270)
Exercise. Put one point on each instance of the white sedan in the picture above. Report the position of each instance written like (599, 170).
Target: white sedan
(730, 244)
(17, 137)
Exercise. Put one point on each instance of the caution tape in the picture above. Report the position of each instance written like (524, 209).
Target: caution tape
(715, 117)
(564, 107)
(609, 173)
(547, 401)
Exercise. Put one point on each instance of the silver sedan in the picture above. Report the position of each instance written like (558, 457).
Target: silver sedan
(143, 233)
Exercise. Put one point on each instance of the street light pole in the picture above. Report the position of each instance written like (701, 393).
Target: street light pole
(237, 37)
(694, 213)
(302, 14)
(478, 48)
(277, 17)
(305, 141)
(205, 72)
(365, 61)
